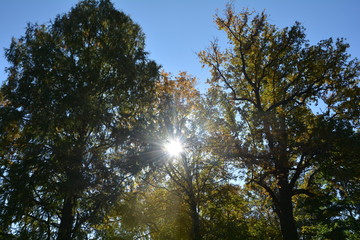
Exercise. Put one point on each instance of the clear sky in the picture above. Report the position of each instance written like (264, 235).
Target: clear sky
(177, 29)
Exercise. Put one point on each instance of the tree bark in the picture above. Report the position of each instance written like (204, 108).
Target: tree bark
(193, 206)
(196, 235)
(285, 189)
(67, 219)
(285, 213)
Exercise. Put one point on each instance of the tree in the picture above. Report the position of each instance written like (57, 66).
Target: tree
(181, 100)
(171, 199)
(74, 111)
(188, 175)
(266, 83)
(334, 213)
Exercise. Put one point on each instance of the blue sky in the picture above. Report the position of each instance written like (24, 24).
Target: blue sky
(177, 30)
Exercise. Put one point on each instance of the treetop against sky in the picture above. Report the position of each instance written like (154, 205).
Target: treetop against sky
(177, 30)
(98, 142)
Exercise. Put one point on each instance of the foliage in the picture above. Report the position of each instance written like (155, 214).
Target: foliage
(224, 214)
(270, 152)
(170, 201)
(189, 175)
(75, 105)
(266, 84)
(335, 209)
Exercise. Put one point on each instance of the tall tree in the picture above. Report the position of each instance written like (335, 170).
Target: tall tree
(170, 201)
(267, 82)
(74, 112)
(191, 171)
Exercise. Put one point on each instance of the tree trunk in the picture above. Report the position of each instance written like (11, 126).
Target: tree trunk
(285, 204)
(195, 231)
(67, 219)
(196, 235)
(285, 213)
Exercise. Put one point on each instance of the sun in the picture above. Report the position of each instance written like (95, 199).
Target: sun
(173, 147)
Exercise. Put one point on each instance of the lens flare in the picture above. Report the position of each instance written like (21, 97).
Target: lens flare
(174, 147)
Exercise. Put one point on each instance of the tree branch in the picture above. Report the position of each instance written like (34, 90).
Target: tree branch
(303, 191)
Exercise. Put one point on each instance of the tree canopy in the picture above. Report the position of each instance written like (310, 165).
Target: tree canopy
(267, 82)
(74, 108)
(270, 151)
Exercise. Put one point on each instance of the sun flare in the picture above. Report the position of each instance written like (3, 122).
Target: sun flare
(174, 147)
